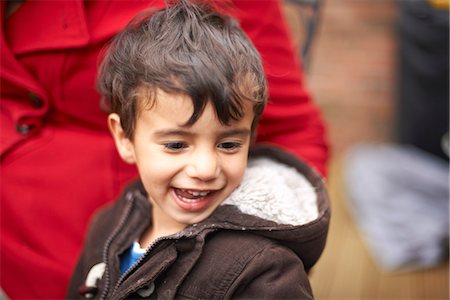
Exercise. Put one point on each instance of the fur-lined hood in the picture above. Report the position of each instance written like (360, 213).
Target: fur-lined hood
(281, 198)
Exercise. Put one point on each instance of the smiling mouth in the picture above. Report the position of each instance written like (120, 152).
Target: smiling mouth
(191, 196)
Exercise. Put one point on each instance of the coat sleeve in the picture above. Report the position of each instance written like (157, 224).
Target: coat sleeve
(274, 273)
(291, 119)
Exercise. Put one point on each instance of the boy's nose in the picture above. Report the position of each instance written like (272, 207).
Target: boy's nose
(203, 166)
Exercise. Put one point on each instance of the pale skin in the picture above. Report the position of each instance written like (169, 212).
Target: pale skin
(187, 171)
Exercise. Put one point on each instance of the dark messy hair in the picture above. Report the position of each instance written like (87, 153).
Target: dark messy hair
(187, 48)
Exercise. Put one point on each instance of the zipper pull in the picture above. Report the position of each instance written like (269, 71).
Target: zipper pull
(90, 287)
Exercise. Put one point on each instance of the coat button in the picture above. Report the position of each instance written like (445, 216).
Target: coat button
(87, 292)
(23, 128)
(145, 292)
(35, 100)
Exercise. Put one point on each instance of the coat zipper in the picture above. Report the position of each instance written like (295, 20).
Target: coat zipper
(125, 216)
(147, 252)
(141, 260)
(138, 262)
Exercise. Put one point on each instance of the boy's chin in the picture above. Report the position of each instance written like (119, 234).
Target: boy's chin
(193, 218)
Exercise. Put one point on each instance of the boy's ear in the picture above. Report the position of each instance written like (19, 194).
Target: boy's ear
(123, 144)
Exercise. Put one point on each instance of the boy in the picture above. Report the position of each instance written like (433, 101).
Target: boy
(186, 88)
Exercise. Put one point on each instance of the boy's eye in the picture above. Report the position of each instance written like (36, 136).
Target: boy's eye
(175, 146)
(229, 146)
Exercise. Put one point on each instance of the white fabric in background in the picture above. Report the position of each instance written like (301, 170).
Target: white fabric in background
(399, 198)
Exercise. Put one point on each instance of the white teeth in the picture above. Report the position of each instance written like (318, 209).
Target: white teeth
(196, 194)
(188, 200)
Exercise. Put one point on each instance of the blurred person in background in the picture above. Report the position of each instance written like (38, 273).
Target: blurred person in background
(399, 192)
(58, 162)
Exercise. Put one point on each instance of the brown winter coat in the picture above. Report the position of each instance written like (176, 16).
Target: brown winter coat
(231, 254)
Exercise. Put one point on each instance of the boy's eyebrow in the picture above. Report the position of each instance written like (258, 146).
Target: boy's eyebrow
(165, 132)
(181, 132)
(235, 132)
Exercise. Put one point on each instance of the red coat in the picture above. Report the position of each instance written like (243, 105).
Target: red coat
(58, 161)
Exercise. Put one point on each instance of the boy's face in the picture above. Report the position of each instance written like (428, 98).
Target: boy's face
(187, 171)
